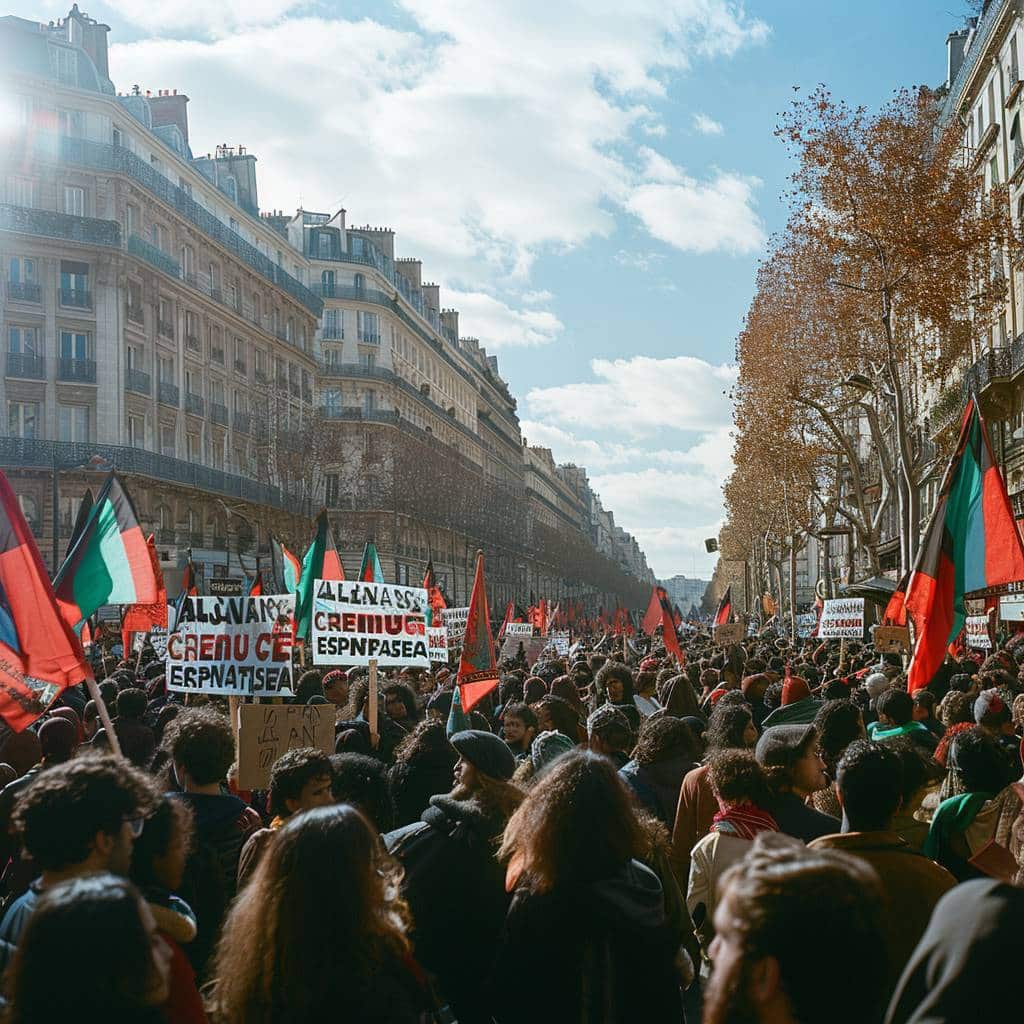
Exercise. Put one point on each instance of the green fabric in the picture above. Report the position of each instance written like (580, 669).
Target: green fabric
(457, 718)
(877, 732)
(952, 816)
(312, 569)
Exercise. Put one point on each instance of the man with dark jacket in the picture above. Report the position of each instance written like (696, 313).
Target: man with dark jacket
(202, 748)
(453, 882)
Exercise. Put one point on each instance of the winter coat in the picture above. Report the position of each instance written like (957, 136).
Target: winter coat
(455, 888)
(798, 820)
(656, 786)
(177, 924)
(413, 783)
(602, 950)
(694, 814)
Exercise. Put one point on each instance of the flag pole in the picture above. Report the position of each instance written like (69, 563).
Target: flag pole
(101, 708)
(371, 709)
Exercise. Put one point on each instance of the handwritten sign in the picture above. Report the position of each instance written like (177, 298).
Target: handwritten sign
(455, 622)
(805, 624)
(266, 731)
(519, 629)
(730, 633)
(437, 643)
(976, 632)
(892, 639)
(842, 617)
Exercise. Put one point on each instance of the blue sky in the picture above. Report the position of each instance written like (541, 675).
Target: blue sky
(592, 183)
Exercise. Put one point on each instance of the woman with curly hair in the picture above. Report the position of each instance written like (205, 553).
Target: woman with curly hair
(320, 931)
(839, 723)
(666, 749)
(423, 767)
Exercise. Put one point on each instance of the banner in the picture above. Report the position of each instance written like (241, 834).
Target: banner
(232, 646)
(533, 647)
(559, 639)
(891, 639)
(514, 629)
(976, 627)
(455, 622)
(730, 633)
(842, 617)
(356, 622)
(266, 731)
(805, 624)
(437, 643)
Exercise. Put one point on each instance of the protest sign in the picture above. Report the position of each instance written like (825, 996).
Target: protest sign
(730, 633)
(532, 646)
(233, 646)
(805, 624)
(976, 632)
(559, 639)
(266, 731)
(519, 629)
(225, 586)
(892, 639)
(455, 622)
(842, 617)
(437, 643)
(356, 622)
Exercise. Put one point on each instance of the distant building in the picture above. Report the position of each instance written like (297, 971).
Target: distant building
(684, 591)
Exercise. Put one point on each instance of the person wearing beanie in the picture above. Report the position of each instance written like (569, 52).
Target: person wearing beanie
(798, 707)
(609, 734)
(993, 715)
(875, 684)
(546, 748)
(452, 880)
(796, 769)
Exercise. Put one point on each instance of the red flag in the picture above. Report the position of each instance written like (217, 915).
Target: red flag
(668, 627)
(652, 617)
(434, 596)
(40, 656)
(256, 589)
(896, 610)
(509, 609)
(724, 613)
(478, 672)
(141, 618)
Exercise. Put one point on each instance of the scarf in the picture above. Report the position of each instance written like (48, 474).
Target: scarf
(743, 820)
(952, 816)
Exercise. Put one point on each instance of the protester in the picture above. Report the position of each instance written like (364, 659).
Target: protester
(994, 716)
(924, 712)
(453, 882)
(91, 952)
(362, 781)
(839, 723)
(645, 697)
(895, 709)
(319, 932)
(300, 779)
(613, 684)
(609, 733)
(135, 737)
(519, 726)
(665, 751)
(335, 688)
(586, 916)
(423, 766)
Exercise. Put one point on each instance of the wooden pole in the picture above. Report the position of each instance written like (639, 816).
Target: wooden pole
(371, 707)
(235, 715)
(101, 708)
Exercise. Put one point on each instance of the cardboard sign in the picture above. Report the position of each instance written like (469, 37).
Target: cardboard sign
(232, 646)
(730, 633)
(892, 639)
(225, 586)
(533, 647)
(842, 617)
(266, 731)
(517, 629)
(455, 620)
(355, 623)
(806, 624)
(976, 632)
(437, 643)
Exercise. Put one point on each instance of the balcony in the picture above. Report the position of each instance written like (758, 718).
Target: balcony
(76, 298)
(334, 333)
(217, 355)
(356, 413)
(167, 394)
(138, 381)
(26, 220)
(26, 366)
(194, 404)
(240, 367)
(136, 315)
(240, 421)
(192, 343)
(79, 371)
(369, 337)
(219, 413)
(23, 291)
(165, 328)
(153, 255)
(262, 377)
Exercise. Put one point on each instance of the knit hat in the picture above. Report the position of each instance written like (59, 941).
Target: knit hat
(876, 684)
(548, 747)
(605, 716)
(783, 745)
(793, 689)
(485, 752)
(988, 702)
(336, 675)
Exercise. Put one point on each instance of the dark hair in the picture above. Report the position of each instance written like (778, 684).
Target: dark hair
(314, 926)
(576, 825)
(172, 817)
(870, 780)
(131, 703)
(59, 815)
(428, 739)
(665, 737)
(613, 670)
(201, 741)
(772, 698)
(404, 692)
(781, 889)
(361, 780)
(291, 772)
(737, 778)
(99, 912)
(839, 723)
(980, 762)
(834, 689)
(727, 725)
(956, 707)
(333, 677)
(961, 682)
(924, 698)
(523, 712)
(308, 685)
(646, 681)
(917, 770)
(896, 705)
(563, 715)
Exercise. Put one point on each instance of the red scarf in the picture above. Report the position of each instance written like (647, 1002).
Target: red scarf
(743, 820)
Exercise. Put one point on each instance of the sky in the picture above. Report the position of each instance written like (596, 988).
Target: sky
(591, 183)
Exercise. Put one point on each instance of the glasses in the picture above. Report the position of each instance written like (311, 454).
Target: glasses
(136, 825)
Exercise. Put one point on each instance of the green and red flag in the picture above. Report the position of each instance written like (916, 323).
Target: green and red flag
(40, 656)
(724, 613)
(321, 562)
(141, 618)
(285, 568)
(110, 562)
(971, 544)
(478, 672)
(370, 571)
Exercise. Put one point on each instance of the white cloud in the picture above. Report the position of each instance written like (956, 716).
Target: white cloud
(637, 260)
(208, 18)
(537, 298)
(498, 325)
(707, 125)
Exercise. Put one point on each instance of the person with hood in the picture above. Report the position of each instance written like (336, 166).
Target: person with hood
(895, 710)
(965, 968)
(798, 706)
(795, 769)
(453, 882)
(587, 916)
(423, 766)
(679, 699)
(201, 747)
(665, 751)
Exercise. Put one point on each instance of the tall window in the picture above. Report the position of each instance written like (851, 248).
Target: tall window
(332, 401)
(368, 327)
(73, 422)
(22, 270)
(332, 490)
(23, 419)
(131, 219)
(21, 191)
(136, 431)
(334, 324)
(167, 447)
(23, 341)
(188, 262)
(75, 345)
(74, 200)
(74, 283)
(327, 283)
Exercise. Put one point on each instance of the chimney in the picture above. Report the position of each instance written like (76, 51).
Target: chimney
(169, 107)
(955, 48)
(432, 298)
(411, 270)
(450, 321)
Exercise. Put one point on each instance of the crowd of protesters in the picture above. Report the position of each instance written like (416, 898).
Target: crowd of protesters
(765, 833)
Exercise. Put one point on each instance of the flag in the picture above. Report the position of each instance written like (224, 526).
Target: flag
(256, 587)
(370, 571)
(285, 568)
(435, 599)
(141, 618)
(320, 562)
(40, 656)
(458, 721)
(652, 617)
(677, 616)
(110, 562)
(478, 674)
(668, 626)
(188, 589)
(769, 604)
(506, 620)
(971, 543)
(724, 613)
(896, 610)
(627, 622)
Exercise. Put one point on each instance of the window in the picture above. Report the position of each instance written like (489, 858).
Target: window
(75, 345)
(359, 282)
(327, 284)
(167, 447)
(22, 270)
(133, 357)
(332, 490)
(21, 192)
(191, 328)
(261, 364)
(23, 341)
(74, 283)
(240, 354)
(74, 200)
(993, 172)
(136, 431)
(369, 401)
(194, 451)
(69, 122)
(166, 366)
(73, 422)
(334, 324)
(367, 360)
(1014, 70)
(332, 401)
(22, 419)
(991, 101)
(64, 64)
(214, 280)
(115, 136)
(158, 235)
(289, 329)
(368, 327)
(131, 219)
(30, 510)
(188, 262)
(217, 392)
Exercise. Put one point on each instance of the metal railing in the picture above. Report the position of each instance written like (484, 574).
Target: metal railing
(23, 291)
(26, 365)
(168, 394)
(27, 220)
(356, 413)
(153, 255)
(81, 370)
(138, 381)
(76, 298)
(219, 413)
(982, 34)
(194, 404)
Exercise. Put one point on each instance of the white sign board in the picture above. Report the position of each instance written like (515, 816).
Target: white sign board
(559, 639)
(805, 624)
(976, 632)
(455, 622)
(518, 629)
(1011, 608)
(437, 643)
(355, 623)
(232, 646)
(842, 617)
